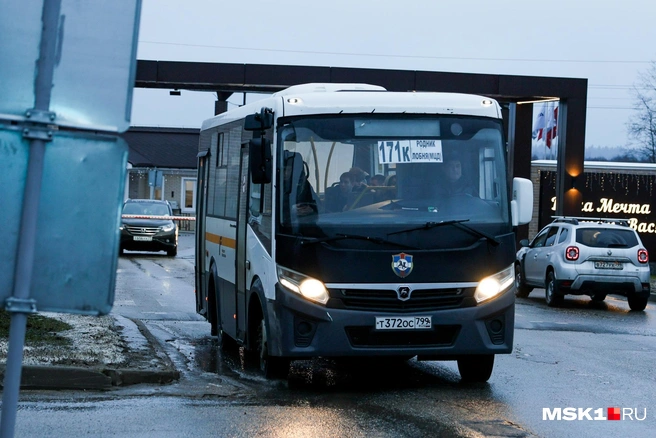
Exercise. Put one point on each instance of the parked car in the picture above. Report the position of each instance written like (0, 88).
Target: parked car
(583, 256)
(151, 230)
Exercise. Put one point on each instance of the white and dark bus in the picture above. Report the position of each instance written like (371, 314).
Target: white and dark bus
(401, 261)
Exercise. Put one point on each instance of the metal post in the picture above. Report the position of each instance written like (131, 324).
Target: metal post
(20, 305)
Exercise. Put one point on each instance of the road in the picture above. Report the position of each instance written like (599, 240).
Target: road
(583, 355)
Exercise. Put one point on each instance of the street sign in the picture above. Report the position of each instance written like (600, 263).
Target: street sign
(77, 234)
(63, 64)
(94, 68)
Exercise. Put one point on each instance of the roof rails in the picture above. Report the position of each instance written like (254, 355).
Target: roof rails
(575, 220)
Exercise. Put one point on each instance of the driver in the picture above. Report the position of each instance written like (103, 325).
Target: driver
(453, 183)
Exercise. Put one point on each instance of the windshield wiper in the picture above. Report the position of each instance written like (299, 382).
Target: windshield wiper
(341, 236)
(457, 223)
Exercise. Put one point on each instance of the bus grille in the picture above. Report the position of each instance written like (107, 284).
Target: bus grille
(439, 335)
(388, 300)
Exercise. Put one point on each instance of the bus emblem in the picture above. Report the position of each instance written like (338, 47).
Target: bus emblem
(402, 264)
(403, 293)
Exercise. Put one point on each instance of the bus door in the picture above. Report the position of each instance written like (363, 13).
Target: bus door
(242, 224)
(201, 209)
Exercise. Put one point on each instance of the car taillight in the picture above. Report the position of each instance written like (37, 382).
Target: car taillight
(572, 253)
(643, 256)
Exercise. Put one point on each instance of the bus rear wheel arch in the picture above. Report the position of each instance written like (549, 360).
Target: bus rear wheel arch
(214, 316)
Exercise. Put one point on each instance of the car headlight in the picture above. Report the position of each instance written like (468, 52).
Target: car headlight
(491, 286)
(308, 287)
(167, 228)
(121, 227)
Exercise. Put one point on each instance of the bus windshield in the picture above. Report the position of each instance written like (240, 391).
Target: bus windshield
(390, 171)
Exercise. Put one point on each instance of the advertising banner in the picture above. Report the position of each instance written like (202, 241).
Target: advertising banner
(608, 195)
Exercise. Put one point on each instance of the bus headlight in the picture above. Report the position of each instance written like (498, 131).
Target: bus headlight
(491, 286)
(308, 287)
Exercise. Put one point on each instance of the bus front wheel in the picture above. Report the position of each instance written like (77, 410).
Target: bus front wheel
(272, 367)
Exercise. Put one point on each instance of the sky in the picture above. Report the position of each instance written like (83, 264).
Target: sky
(607, 42)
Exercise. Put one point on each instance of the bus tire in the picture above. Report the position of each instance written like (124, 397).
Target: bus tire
(272, 367)
(476, 368)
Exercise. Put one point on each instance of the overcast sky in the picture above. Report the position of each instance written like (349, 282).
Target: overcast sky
(608, 42)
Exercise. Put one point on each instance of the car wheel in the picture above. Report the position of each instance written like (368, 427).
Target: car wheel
(522, 290)
(272, 367)
(598, 297)
(637, 303)
(551, 295)
(476, 368)
(172, 252)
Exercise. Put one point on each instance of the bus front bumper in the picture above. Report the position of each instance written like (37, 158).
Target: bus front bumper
(302, 329)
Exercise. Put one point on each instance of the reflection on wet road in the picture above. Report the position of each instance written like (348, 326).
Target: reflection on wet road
(418, 398)
(327, 374)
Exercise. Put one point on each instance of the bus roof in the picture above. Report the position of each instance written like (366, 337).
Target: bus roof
(313, 99)
(327, 88)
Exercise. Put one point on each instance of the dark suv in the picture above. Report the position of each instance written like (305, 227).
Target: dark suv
(146, 226)
(585, 256)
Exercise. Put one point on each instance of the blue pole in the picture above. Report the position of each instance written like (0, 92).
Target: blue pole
(20, 305)
(23, 280)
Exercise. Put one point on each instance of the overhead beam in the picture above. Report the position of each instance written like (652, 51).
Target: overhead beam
(507, 89)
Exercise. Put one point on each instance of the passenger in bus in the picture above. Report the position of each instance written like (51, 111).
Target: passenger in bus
(452, 181)
(378, 180)
(337, 196)
(391, 183)
(359, 179)
(378, 189)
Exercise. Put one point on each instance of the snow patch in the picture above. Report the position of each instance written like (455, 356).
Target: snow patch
(95, 340)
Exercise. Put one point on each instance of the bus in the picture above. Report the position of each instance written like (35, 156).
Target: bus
(404, 267)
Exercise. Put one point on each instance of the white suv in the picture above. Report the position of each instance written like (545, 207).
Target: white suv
(585, 256)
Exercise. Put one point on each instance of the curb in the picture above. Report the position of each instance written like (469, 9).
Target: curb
(100, 377)
(60, 377)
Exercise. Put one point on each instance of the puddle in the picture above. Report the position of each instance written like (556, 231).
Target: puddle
(318, 374)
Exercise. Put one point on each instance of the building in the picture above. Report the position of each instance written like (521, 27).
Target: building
(162, 165)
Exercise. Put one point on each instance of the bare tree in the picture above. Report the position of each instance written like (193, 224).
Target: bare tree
(642, 125)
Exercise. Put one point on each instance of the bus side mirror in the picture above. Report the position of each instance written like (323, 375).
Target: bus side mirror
(259, 151)
(259, 121)
(521, 206)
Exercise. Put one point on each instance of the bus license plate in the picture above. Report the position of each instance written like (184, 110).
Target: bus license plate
(403, 322)
(608, 265)
(143, 238)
